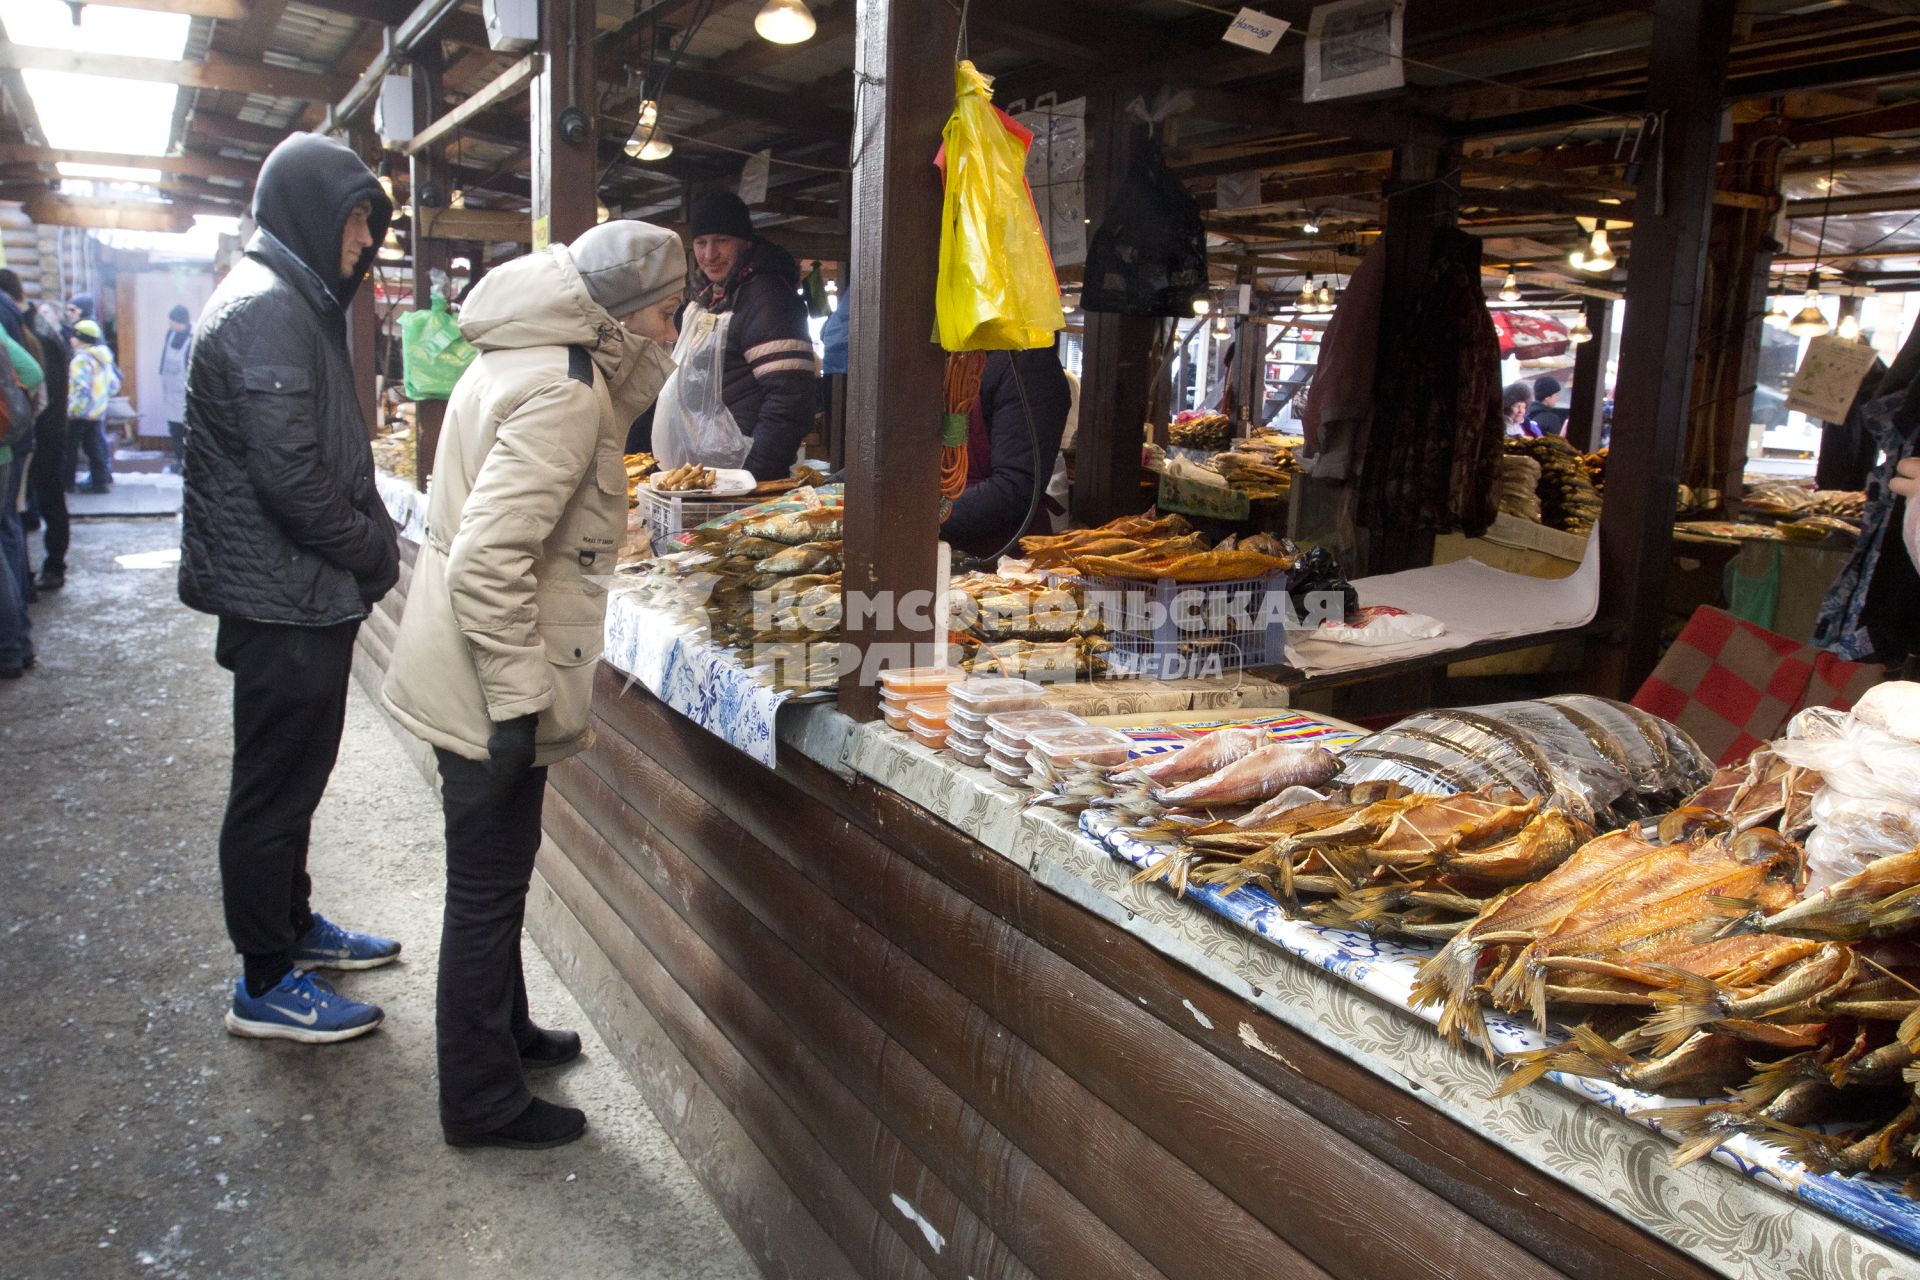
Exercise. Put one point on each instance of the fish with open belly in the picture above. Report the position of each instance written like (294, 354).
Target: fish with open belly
(1254, 777)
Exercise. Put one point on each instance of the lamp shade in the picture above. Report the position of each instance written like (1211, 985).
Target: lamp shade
(784, 22)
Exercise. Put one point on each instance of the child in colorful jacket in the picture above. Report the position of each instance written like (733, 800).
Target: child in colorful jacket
(93, 380)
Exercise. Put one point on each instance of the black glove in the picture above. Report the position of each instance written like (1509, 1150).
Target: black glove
(374, 587)
(510, 750)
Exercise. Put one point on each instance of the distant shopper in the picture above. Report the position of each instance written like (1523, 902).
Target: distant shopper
(1514, 402)
(285, 540)
(495, 661)
(174, 350)
(46, 485)
(769, 370)
(93, 380)
(16, 584)
(1547, 417)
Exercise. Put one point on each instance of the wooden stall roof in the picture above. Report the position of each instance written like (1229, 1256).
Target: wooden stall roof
(1536, 105)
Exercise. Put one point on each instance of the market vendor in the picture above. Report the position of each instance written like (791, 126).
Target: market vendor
(1008, 455)
(769, 374)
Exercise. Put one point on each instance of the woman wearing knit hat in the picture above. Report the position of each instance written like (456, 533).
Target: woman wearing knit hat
(495, 660)
(175, 348)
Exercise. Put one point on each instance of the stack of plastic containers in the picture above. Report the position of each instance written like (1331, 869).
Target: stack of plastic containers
(1058, 753)
(914, 701)
(969, 704)
(1007, 740)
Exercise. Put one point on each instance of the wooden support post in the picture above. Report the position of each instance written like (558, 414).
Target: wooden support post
(1117, 366)
(903, 94)
(565, 178)
(362, 319)
(1589, 394)
(1685, 83)
(427, 182)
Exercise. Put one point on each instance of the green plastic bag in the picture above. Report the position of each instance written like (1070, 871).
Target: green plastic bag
(433, 355)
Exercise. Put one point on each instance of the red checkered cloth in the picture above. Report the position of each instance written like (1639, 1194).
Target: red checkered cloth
(1733, 686)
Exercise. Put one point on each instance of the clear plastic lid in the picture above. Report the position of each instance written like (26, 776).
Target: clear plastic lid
(911, 696)
(929, 714)
(896, 719)
(1083, 746)
(966, 752)
(1012, 727)
(928, 736)
(989, 695)
(972, 721)
(915, 680)
(1014, 775)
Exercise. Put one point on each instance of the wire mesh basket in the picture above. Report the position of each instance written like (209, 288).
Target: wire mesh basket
(1175, 630)
(669, 515)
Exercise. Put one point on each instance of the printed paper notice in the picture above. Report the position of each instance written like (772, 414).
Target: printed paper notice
(1829, 378)
(1353, 47)
(1256, 31)
(753, 178)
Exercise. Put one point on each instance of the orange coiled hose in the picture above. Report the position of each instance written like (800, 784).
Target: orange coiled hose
(963, 388)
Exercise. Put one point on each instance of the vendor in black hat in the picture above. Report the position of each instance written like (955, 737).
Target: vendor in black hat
(770, 371)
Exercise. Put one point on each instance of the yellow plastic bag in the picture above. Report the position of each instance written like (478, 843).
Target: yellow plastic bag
(997, 290)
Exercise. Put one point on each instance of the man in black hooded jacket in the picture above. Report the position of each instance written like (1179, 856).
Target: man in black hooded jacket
(770, 377)
(286, 541)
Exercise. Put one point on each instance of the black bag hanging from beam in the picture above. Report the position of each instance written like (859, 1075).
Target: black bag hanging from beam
(1149, 255)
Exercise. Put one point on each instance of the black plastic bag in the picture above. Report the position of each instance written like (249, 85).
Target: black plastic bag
(1149, 255)
(1318, 571)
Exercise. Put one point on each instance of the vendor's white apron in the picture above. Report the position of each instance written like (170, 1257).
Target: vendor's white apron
(691, 421)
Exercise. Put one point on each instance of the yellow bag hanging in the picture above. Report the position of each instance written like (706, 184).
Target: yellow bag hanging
(997, 290)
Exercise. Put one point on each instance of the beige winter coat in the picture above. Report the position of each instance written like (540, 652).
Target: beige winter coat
(527, 506)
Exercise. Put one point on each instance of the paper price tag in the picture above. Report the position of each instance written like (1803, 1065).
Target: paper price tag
(1256, 31)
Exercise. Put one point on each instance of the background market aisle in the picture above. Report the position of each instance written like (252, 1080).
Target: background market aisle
(136, 1136)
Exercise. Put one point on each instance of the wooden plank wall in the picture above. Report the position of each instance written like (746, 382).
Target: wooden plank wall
(887, 1052)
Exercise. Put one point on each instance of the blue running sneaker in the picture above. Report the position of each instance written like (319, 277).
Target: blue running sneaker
(304, 1007)
(328, 946)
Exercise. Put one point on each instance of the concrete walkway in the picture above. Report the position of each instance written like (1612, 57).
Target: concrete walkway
(137, 1138)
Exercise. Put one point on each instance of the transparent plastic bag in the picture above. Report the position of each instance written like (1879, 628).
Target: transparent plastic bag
(691, 421)
(996, 289)
(433, 355)
(1868, 804)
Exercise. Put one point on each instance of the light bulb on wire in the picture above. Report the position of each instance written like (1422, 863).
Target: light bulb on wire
(1201, 306)
(1810, 321)
(1309, 297)
(1578, 332)
(784, 22)
(1775, 317)
(1849, 330)
(646, 142)
(1510, 288)
(1323, 300)
(1597, 257)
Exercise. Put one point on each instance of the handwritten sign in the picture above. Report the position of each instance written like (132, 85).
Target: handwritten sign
(1256, 31)
(1353, 47)
(1829, 378)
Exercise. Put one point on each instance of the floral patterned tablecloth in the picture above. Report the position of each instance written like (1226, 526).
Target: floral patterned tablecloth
(1349, 992)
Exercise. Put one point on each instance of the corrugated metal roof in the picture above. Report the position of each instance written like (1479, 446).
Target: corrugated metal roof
(313, 35)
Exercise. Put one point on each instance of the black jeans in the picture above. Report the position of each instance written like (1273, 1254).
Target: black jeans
(289, 708)
(89, 434)
(493, 832)
(46, 476)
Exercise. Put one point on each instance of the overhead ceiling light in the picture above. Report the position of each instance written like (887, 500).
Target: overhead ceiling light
(1597, 257)
(784, 22)
(657, 148)
(600, 212)
(1510, 288)
(1578, 332)
(1774, 316)
(458, 200)
(1324, 299)
(390, 249)
(1201, 306)
(646, 138)
(1309, 296)
(1849, 330)
(1312, 224)
(1611, 200)
(649, 115)
(1810, 322)
(1220, 327)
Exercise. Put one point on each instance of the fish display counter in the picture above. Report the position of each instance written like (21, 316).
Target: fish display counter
(907, 1016)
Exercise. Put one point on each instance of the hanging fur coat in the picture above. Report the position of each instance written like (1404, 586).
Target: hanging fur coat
(1437, 435)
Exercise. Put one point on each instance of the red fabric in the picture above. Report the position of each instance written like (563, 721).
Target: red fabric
(1733, 686)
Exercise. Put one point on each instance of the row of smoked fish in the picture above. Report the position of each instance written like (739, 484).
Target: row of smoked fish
(1655, 911)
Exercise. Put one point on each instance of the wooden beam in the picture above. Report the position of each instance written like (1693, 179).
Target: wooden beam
(475, 224)
(1586, 397)
(903, 55)
(502, 86)
(1686, 84)
(768, 106)
(234, 77)
(195, 166)
(220, 10)
(114, 215)
(756, 56)
(565, 175)
(249, 38)
(232, 131)
(1878, 202)
(427, 169)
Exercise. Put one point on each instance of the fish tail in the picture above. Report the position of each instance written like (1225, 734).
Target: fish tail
(1693, 1002)
(1449, 978)
(1588, 1054)
(1699, 1128)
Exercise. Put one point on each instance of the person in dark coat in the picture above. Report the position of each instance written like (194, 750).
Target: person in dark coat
(46, 485)
(176, 352)
(1008, 457)
(1548, 418)
(286, 541)
(770, 373)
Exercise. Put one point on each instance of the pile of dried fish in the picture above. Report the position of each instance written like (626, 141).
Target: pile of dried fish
(691, 478)
(1788, 500)
(639, 467)
(1516, 487)
(1195, 429)
(1569, 499)
(1601, 761)
(1116, 537)
(775, 592)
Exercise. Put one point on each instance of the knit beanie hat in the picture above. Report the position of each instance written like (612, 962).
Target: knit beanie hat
(88, 330)
(628, 265)
(179, 314)
(720, 213)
